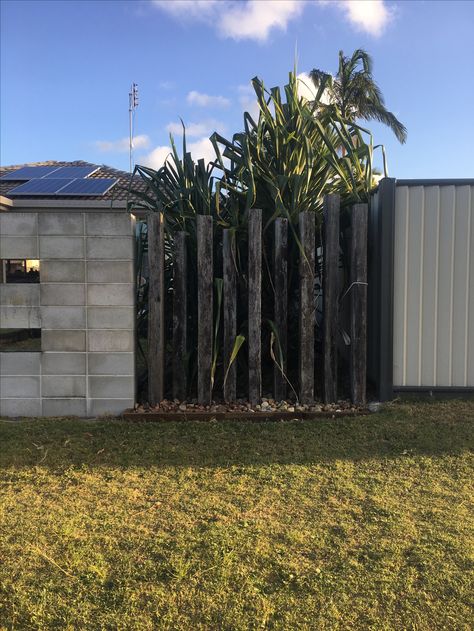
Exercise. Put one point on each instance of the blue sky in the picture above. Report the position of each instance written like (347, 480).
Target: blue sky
(67, 66)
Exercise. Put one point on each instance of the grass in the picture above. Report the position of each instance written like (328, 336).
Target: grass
(363, 523)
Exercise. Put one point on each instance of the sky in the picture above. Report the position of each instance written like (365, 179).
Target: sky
(67, 67)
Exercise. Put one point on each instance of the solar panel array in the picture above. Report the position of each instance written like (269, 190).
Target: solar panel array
(44, 186)
(67, 181)
(97, 186)
(55, 186)
(30, 173)
(72, 172)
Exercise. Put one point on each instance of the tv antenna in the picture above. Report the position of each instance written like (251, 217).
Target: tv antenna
(132, 106)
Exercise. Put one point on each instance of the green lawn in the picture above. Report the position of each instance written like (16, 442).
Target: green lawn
(361, 523)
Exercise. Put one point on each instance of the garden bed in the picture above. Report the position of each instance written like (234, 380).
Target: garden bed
(268, 410)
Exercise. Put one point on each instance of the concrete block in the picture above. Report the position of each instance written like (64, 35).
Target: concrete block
(110, 317)
(59, 271)
(62, 294)
(20, 407)
(18, 224)
(63, 363)
(20, 387)
(63, 340)
(18, 247)
(106, 341)
(111, 387)
(64, 407)
(63, 317)
(61, 247)
(110, 272)
(109, 224)
(20, 364)
(111, 407)
(64, 224)
(20, 317)
(63, 386)
(120, 248)
(111, 364)
(111, 295)
(19, 295)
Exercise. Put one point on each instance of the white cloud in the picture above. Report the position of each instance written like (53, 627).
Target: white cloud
(122, 146)
(188, 9)
(307, 89)
(203, 128)
(371, 16)
(255, 19)
(206, 100)
(166, 85)
(156, 158)
(245, 19)
(201, 148)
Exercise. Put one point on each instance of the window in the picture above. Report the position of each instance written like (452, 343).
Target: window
(19, 340)
(20, 271)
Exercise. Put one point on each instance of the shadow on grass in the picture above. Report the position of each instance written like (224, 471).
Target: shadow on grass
(402, 429)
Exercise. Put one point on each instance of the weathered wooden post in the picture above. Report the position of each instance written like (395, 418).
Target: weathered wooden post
(359, 303)
(307, 306)
(255, 305)
(330, 295)
(230, 313)
(205, 279)
(156, 294)
(281, 304)
(180, 316)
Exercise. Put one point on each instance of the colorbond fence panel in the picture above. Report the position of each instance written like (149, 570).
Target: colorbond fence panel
(433, 334)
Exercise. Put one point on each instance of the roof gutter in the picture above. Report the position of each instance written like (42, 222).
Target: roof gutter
(62, 204)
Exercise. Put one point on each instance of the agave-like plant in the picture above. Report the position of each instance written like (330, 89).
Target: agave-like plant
(285, 162)
(297, 152)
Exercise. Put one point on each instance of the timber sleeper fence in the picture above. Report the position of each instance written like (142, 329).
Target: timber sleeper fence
(219, 308)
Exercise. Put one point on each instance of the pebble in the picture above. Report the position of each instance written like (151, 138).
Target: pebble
(268, 405)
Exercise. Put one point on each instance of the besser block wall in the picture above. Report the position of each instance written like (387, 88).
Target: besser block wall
(84, 305)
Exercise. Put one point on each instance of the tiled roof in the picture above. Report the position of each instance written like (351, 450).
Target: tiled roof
(119, 192)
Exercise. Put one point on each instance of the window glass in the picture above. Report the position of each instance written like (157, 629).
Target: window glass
(20, 340)
(20, 271)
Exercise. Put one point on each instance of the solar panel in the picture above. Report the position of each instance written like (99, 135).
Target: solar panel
(73, 172)
(43, 186)
(28, 173)
(94, 186)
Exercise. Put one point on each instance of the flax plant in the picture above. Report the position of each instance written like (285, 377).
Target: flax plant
(285, 162)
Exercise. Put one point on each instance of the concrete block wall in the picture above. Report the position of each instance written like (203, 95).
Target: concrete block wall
(84, 305)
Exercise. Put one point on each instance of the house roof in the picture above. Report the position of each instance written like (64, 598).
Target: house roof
(118, 193)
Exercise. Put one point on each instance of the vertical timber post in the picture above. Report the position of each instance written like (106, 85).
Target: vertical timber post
(330, 296)
(230, 313)
(205, 279)
(307, 306)
(156, 264)
(255, 305)
(359, 303)
(281, 304)
(180, 317)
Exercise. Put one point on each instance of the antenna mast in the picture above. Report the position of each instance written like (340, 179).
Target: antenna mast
(132, 106)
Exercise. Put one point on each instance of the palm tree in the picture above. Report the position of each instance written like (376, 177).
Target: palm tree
(354, 92)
